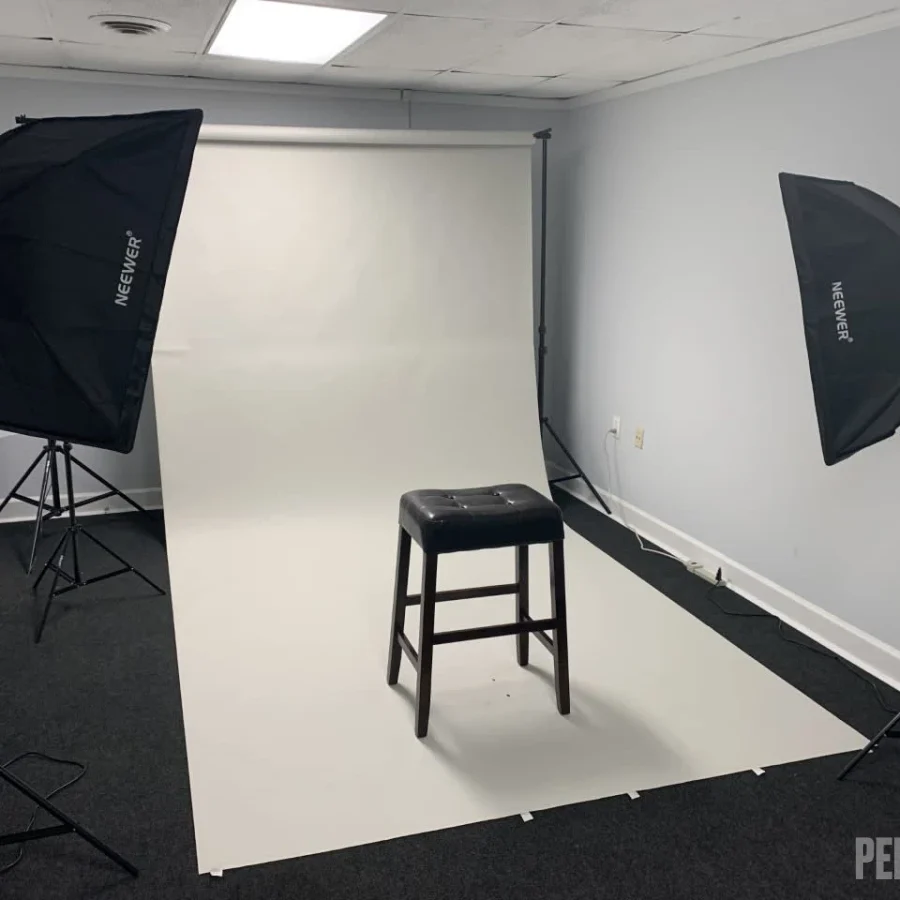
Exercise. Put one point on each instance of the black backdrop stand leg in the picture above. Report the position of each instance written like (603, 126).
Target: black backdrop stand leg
(68, 546)
(544, 138)
(67, 825)
(889, 731)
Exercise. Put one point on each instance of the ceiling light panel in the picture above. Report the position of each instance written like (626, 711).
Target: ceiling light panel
(287, 32)
(382, 6)
(424, 42)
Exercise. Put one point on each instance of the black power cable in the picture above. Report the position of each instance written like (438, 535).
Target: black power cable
(34, 755)
(781, 632)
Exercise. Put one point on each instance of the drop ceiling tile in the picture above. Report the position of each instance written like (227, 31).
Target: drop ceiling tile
(253, 69)
(476, 83)
(24, 18)
(517, 10)
(191, 22)
(564, 87)
(632, 63)
(28, 52)
(119, 59)
(775, 19)
(662, 15)
(561, 49)
(374, 78)
(423, 42)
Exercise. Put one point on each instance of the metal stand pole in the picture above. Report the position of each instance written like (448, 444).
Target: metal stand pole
(544, 138)
(68, 825)
(889, 731)
(68, 546)
(50, 488)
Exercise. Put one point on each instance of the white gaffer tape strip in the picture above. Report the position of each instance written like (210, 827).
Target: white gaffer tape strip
(216, 873)
(634, 795)
(759, 771)
(526, 816)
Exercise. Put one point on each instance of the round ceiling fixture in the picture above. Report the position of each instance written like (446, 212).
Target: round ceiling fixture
(131, 26)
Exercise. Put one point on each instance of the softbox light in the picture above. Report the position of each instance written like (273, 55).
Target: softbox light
(89, 208)
(846, 242)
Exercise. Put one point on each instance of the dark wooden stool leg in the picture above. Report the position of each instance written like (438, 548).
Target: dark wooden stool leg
(522, 602)
(561, 634)
(426, 643)
(401, 585)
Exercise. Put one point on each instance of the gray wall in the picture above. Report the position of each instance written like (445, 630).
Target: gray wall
(681, 313)
(138, 473)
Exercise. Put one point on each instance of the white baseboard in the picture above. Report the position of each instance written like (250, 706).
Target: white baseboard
(149, 498)
(856, 646)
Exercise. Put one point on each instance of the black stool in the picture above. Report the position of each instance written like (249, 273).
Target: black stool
(508, 515)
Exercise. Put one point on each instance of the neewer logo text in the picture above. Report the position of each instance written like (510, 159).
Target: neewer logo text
(132, 252)
(840, 312)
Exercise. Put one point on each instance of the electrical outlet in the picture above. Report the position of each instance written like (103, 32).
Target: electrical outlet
(616, 426)
(639, 439)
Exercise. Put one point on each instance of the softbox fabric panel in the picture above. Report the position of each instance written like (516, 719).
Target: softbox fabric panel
(89, 209)
(846, 242)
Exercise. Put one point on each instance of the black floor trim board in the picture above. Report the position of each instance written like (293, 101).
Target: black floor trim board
(104, 689)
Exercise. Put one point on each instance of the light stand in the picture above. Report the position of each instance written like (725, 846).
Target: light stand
(67, 825)
(889, 731)
(544, 138)
(50, 486)
(68, 545)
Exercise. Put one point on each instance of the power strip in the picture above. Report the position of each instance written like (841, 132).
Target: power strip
(706, 574)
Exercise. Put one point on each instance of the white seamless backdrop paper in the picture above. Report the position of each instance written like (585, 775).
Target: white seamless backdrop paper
(349, 316)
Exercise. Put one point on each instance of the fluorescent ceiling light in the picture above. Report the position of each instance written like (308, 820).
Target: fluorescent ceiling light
(290, 32)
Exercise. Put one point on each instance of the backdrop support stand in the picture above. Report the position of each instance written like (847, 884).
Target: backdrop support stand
(889, 731)
(544, 138)
(50, 491)
(67, 825)
(68, 545)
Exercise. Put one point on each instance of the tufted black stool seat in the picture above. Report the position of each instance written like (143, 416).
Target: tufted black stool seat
(443, 521)
(479, 518)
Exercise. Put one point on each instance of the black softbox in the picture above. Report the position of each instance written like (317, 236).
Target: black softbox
(846, 242)
(89, 208)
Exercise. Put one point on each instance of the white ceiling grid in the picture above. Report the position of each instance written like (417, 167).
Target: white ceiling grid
(530, 48)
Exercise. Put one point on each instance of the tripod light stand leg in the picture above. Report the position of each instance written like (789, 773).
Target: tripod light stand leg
(885, 732)
(574, 462)
(127, 565)
(41, 620)
(71, 826)
(12, 494)
(39, 521)
(110, 487)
